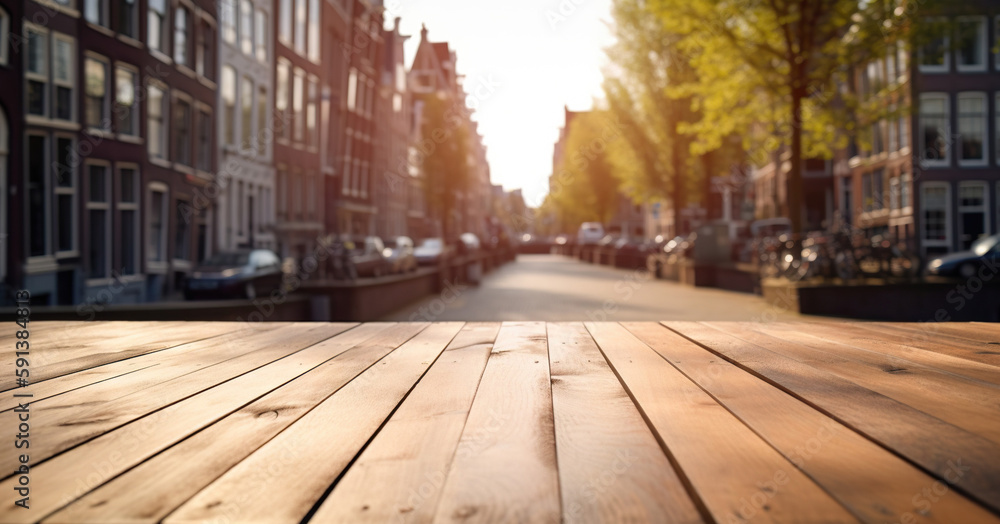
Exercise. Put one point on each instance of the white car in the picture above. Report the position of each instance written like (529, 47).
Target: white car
(590, 233)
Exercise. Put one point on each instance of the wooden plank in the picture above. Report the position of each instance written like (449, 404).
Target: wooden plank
(875, 484)
(871, 341)
(611, 468)
(57, 351)
(80, 469)
(506, 471)
(968, 404)
(166, 361)
(735, 475)
(962, 333)
(63, 422)
(930, 341)
(287, 476)
(938, 447)
(152, 490)
(409, 458)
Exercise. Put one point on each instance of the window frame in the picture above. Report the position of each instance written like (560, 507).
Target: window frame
(134, 21)
(247, 102)
(135, 108)
(104, 206)
(121, 206)
(245, 24)
(313, 24)
(286, 21)
(948, 216)
(44, 76)
(105, 121)
(104, 13)
(946, 51)
(4, 37)
(981, 96)
(183, 53)
(157, 265)
(163, 144)
(984, 208)
(161, 49)
(982, 43)
(261, 33)
(949, 145)
(204, 114)
(68, 84)
(60, 190)
(178, 98)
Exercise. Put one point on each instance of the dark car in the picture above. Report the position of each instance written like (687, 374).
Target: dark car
(430, 251)
(966, 264)
(399, 253)
(235, 274)
(368, 257)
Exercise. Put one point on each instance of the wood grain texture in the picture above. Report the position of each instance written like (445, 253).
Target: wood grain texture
(737, 476)
(409, 459)
(927, 337)
(881, 344)
(149, 492)
(78, 470)
(57, 351)
(875, 484)
(64, 422)
(965, 403)
(505, 469)
(611, 468)
(287, 476)
(936, 446)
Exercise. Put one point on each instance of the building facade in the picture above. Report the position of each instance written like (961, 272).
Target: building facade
(245, 198)
(392, 113)
(296, 149)
(115, 111)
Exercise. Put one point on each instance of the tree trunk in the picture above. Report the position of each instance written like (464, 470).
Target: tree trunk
(794, 181)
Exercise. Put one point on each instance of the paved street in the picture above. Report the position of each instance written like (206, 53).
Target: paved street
(556, 288)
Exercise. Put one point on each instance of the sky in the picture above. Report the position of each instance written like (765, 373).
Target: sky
(536, 56)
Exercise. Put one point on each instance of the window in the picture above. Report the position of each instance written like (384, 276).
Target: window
(933, 54)
(314, 19)
(300, 27)
(4, 35)
(64, 221)
(63, 75)
(352, 90)
(96, 12)
(370, 99)
(182, 230)
(877, 146)
(904, 132)
(970, 54)
(281, 98)
(240, 198)
(362, 92)
(246, 120)
(893, 127)
(98, 222)
(128, 220)
(38, 202)
(312, 113)
(261, 120)
(972, 128)
(934, 128)
(260, 35)
(298, 91)
(157, 116)
(182, 37)
(126, 105)
(156, 30)
(204, 152)
(182, 132)
(156, 237)
(246, 27)
(227, 14)
(229, 105)
(205, 59)
(894, 194)
(285, 16)
(972, 204)
(36, 72)
(128, 18)
(282, 193)
(873, 197)
(96, 90)
(935, 203)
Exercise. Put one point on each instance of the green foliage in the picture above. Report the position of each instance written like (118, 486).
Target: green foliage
(586, 188)
(445, 153)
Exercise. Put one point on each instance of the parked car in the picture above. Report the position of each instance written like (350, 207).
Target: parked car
(429, 252)
(468, 243)
(966, 264)
(590, 233)
(399, 253)
(367, 256)
(235, 274)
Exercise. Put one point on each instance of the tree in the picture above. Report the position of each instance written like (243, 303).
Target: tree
(586, 188)
(444, 156)
(770, 71)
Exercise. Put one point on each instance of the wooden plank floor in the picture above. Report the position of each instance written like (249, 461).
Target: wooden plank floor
(507, 422)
